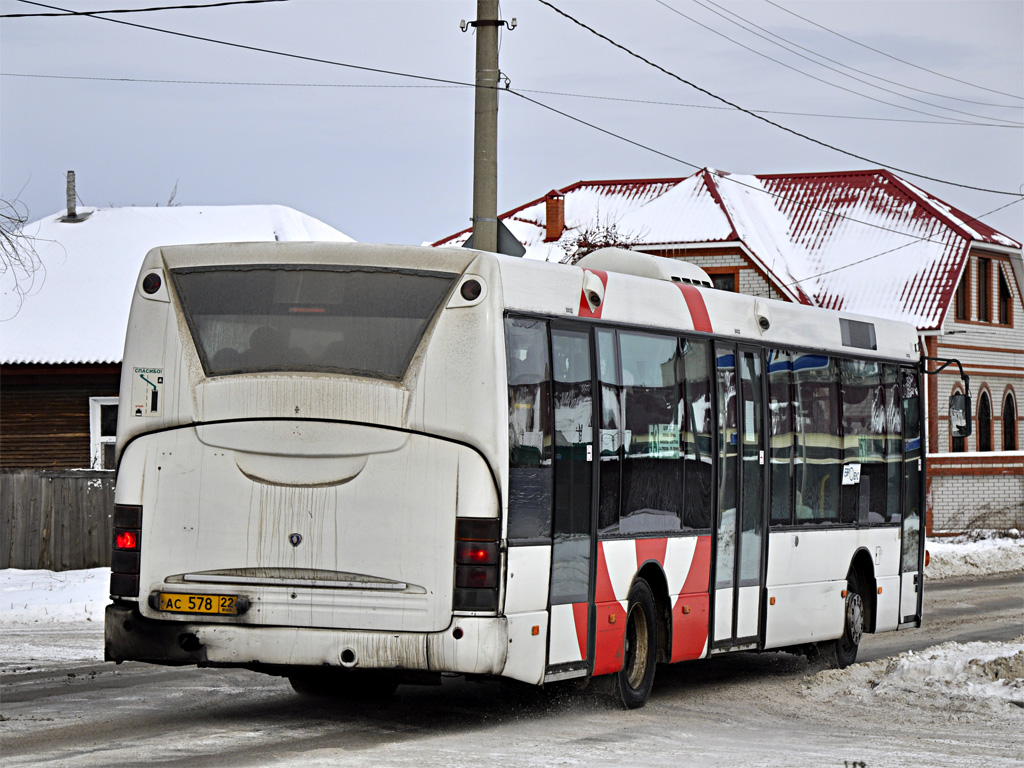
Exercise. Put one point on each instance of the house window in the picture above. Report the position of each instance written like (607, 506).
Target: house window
(723, 281)
(1005, 299)
(1009, 423)
(984, 423)
(103, 431)
(961, 297)
(984, 298)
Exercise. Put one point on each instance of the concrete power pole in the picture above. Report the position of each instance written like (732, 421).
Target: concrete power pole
(485, 129)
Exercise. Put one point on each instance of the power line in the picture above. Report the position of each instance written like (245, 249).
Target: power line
(765, 119)
(622, 99)
(473, 85)
(819, 79)
(889, 55)
(135, 10)
(917, 239)
(848, 66)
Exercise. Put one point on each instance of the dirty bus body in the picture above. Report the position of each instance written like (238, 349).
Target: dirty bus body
(359, 466)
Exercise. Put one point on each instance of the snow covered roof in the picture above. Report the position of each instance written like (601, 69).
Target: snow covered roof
(76, 306)
(862, 241)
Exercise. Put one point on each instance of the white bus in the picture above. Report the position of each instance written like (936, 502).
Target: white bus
(360, 466)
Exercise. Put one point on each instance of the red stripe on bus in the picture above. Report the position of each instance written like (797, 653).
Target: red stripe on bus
(689, 627)
(698, 310)
(579, 615)
(603, 590)
(700, 568)
(651, 549)
(610, 640)
(585, 310)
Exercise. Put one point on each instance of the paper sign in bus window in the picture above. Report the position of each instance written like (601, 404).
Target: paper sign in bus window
(147, 391)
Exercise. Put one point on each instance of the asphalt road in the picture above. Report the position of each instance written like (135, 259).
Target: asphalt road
(740, 709)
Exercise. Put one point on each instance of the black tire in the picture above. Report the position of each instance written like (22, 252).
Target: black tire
(853, 626)
(357, 685)
(634, 681)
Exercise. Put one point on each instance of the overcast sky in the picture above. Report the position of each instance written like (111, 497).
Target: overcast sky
(389, 159)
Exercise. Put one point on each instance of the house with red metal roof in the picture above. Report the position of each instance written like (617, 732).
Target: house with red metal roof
(861, 241)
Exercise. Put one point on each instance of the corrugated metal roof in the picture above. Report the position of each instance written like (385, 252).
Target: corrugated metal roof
(862, 241)
(76, 308)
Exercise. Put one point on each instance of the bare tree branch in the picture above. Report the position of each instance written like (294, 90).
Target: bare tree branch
(19, 262)
(599, 235)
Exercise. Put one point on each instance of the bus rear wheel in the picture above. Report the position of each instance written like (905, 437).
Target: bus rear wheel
(358, 685)
(640, 649)
(853, 627)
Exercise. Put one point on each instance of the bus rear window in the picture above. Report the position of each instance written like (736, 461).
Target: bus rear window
(362, 321)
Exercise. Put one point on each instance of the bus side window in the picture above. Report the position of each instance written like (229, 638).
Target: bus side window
(530, 491)
(893, 443)
(818, 461)
(696, 431)
(783, 433)
(863, 485)
(652, 478)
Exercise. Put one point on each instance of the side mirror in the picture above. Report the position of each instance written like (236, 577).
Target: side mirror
(960, 415)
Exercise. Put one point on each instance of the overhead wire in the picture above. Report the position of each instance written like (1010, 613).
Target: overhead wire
(756, 116)
(521, 96)
(622, 99)
(826, 66)
(138, 10)
(843, 64)
(889, 55)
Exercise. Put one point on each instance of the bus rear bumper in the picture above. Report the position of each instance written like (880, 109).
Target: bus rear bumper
(469, 645)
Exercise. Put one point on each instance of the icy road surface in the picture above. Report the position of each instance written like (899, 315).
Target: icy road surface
(948, 694)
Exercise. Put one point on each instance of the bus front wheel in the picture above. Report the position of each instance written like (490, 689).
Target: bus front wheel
(853, 626)
(640, 649)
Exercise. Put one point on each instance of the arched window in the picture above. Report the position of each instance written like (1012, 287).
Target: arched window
(984, 423)
(1009, 423)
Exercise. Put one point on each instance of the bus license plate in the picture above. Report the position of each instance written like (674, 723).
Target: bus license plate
(216, 604)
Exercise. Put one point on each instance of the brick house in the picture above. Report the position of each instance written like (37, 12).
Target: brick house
(60, 363)
(861, 241)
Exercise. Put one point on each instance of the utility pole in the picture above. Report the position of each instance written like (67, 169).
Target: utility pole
(485, 128)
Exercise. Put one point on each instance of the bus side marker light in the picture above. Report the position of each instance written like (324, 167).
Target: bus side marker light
(771, 601)
(879, 590)
(843, 593)
(686, 609)
(535, 630)
(611, 618)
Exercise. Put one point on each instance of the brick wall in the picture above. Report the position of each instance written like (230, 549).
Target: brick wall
(976, 491)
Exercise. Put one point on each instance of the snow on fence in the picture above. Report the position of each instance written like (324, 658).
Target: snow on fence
(58, 520)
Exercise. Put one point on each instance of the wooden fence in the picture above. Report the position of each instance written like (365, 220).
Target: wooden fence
(60, 520)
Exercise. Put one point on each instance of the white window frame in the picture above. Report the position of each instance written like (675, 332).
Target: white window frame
(97, 440)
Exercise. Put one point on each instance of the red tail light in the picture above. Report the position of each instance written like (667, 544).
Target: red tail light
(477, 558)
(125, 559)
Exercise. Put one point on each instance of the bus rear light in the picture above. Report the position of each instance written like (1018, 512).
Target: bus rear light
(125, 559)
(477, 558)
(476, 553)
(927, 558)
(479, 576)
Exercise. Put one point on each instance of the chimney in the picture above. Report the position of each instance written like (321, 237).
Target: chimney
(554, 214)
(72, 213)
(72, 216)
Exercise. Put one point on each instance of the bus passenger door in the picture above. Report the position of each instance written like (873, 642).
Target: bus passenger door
(570, 641)
(912, 523)
(741, 515)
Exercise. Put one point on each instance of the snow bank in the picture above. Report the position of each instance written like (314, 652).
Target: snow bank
(49, 597)
(951, 676)
(975, 555)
